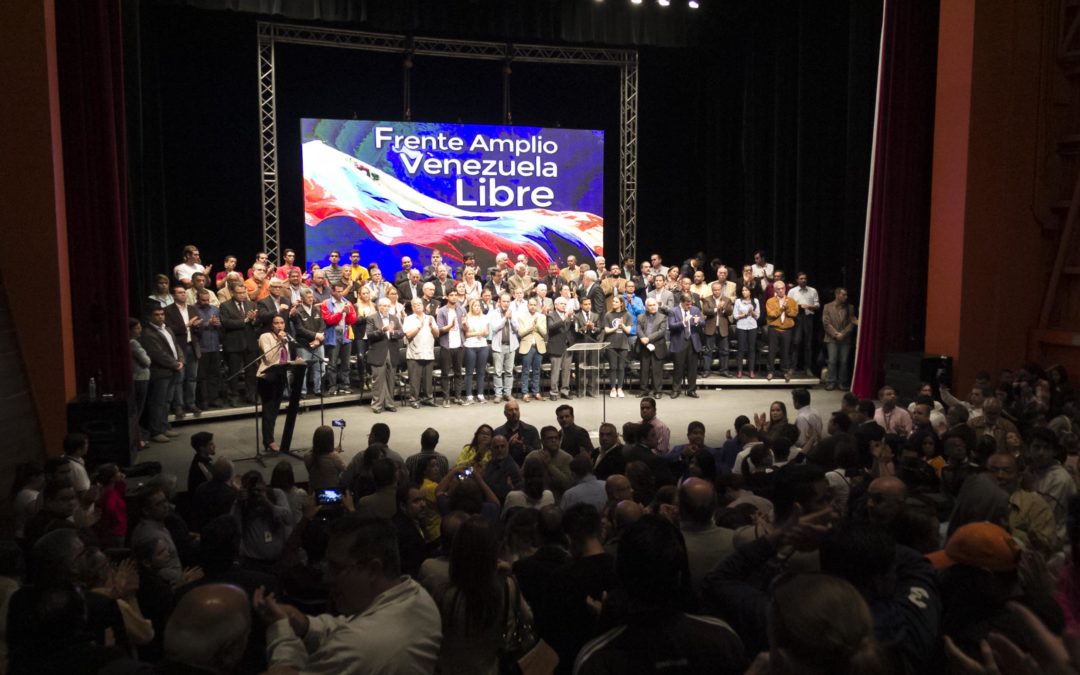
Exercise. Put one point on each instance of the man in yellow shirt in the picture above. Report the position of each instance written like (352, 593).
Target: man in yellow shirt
(780, 311)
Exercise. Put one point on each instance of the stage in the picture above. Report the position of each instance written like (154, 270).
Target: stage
(716, 408)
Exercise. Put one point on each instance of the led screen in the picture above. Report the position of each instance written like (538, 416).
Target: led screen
(390, 189)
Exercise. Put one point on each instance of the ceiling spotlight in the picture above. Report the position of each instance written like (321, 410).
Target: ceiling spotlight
(663, 3)
(693, 4)
(636, 2)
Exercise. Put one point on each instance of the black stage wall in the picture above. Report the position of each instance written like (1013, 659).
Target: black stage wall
(754, 133)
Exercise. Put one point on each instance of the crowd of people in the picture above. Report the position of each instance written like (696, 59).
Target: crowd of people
(214, 339)
(922, 536)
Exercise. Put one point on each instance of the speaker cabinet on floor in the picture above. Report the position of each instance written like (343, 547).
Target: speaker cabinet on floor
(109, 427)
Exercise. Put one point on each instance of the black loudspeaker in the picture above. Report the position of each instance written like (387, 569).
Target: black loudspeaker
(109, 427)
(905, 371)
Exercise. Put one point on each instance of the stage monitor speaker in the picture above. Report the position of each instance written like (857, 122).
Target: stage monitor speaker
(109, 427)
(905, 371)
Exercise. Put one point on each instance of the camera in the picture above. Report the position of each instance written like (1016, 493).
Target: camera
(465, 473)
(338, 423)
(328, 496)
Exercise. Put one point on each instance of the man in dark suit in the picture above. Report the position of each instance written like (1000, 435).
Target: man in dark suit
(652, 346)
(409, 288)
(496, 282)
(560, 335)
(166, 360)
(572, 438)
(404, 272)
(238, 317)
(184, 323)
(592, 290)
(609, 457)
(552, 280)
(310, 331)
(685, 325)
(384, 337)
(275, 304)
(587, 328)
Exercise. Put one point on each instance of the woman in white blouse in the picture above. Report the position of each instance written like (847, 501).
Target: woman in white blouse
(476, 351)
(746, 313)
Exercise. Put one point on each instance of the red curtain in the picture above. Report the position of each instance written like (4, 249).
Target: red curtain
(91, 77)
(892, 312)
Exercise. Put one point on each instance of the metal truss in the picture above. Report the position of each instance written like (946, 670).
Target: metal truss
(268, 147)
(270, 34)
(628, 156)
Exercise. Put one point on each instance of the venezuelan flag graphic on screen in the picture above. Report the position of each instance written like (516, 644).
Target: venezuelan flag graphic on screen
(389, 189)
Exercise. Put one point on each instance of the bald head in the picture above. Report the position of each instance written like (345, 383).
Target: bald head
(627, 512)
(697, 502)
(885, 498)
(888, 486)
(618, 488)
(209, 628)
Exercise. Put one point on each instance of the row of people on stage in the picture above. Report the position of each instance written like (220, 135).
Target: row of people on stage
(505, 317)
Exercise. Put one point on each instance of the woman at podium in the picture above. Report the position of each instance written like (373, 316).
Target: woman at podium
(272, 377)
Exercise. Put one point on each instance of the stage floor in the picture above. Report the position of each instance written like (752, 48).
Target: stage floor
(716, 408)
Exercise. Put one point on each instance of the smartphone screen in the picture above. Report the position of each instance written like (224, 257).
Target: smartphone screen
(328, 496)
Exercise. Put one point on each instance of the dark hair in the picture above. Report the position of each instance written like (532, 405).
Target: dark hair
(695, 426)
(867, 407)
(421, 467)
(474, 443)
(322, 441)
(372, 454)
(632, 432)
(740, 421)
(706, 464)
(652, 564)
(783, 410)
(429, 439)
(105, 473)
(858, 552)
(282, 477)
(200, 440)
(370, 538)
(380, 433)
(549, 526)
(915, 441)
(547, 429)
(581, 466)
(581, 522)
(534, 476)
(384, 472)
(563, 407)
(73, 442)
(474, 575)
(792, 484)
(841, 421)
(800, 397)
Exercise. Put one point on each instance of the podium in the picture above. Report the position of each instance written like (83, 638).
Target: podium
(591, 353)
